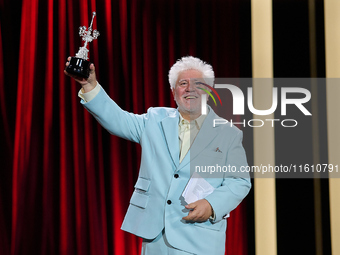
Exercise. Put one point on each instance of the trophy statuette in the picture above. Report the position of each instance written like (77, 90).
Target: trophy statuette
(79, 66)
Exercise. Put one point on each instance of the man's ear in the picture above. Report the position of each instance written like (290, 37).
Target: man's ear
(173, 92)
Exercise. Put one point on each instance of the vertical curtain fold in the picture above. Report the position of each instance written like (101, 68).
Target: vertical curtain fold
(21, 199)
(66, 243)
(6, 141)
(48, 234)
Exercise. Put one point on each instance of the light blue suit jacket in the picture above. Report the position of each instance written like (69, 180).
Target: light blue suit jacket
(150, 210)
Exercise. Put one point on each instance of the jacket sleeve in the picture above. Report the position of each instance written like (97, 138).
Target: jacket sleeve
(115, 120)
(235, 186)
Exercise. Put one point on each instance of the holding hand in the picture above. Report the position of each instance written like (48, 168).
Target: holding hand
(88, 84)
(201, 211)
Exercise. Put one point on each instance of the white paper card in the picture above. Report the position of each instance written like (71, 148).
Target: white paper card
(196, 189)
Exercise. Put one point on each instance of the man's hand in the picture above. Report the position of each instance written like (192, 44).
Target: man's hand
(88, 84)
(201, 210)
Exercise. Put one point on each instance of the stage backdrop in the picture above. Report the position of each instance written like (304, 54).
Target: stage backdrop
(65, 183)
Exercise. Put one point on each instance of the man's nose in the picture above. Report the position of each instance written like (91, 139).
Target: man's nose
(190, 86)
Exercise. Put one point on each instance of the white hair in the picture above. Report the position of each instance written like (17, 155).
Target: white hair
(188, 63)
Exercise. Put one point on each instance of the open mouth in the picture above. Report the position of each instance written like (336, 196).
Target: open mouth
(190, 97)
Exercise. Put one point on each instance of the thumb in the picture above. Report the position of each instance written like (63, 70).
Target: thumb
(92, 78)
(191, 206)
(92, 68)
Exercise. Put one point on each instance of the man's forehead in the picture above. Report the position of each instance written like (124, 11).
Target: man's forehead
(190, 73)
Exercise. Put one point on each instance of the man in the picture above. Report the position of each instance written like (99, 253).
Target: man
(173, 142)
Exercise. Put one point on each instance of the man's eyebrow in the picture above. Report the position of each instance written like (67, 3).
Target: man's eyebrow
(199, 82)
(194, 79)
(182, 80)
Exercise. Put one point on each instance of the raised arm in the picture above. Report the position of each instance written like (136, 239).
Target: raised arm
(115, 120)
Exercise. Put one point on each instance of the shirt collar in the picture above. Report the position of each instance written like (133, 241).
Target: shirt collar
(198, 121)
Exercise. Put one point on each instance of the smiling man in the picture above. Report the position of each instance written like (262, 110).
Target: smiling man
(187, 95)
(173, 141)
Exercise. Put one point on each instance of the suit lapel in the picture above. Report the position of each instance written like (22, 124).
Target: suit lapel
(170, 129)
(204, 137)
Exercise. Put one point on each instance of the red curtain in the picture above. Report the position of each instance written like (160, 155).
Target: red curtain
(65, 183)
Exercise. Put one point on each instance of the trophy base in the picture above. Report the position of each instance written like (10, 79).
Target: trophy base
(79, 67)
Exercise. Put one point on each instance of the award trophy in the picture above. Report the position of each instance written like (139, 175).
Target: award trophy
(79, 66)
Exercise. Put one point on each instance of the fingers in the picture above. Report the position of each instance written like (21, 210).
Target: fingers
(68, 61)
(194, 216)
(191, 206)
(189, 217)
(200, 211)
(67, 64)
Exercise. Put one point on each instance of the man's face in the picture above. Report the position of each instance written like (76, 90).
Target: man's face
(187, 95)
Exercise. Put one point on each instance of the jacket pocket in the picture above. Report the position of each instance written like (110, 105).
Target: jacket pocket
(213, 153)
(208, 225)
(142, 184)
(140, 196)
(139, 199)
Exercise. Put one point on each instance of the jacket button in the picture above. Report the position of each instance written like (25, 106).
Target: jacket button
(169, 202)
(176, 176)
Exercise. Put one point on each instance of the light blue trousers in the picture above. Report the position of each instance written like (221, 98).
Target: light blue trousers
(160, 246)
